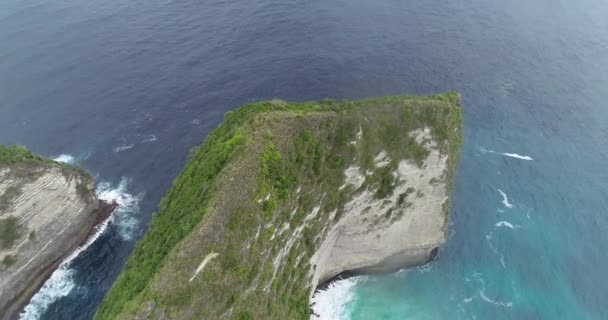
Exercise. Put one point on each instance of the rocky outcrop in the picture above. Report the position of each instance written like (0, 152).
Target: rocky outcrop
(47, 210)
(283, 197)
(404, 229)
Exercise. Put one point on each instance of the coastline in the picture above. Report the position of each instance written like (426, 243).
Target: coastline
(102, 213)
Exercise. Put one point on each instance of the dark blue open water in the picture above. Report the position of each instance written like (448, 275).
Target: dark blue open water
(128, 87)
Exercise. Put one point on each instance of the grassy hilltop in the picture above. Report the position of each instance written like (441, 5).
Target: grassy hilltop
(247, 191)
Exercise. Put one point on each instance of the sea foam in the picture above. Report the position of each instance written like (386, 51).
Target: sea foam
(123, 148)
(506, 224)
(505, 199)
(506, 154)
(330, 304)
(150, 138)
(128, 206)
(485, 298)
(65, 158)
(478, 277)
(494, 249)
(517, 156)
(61, 282)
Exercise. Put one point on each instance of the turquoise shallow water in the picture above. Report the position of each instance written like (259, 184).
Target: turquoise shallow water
(127, 87)
(541, 253)
(541, 258)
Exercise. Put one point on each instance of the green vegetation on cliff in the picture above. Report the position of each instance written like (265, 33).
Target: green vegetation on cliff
(25, 165)
(233, 237)
(9, 232)
(17, 155)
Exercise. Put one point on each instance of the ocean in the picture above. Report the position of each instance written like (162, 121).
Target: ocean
(126, 88)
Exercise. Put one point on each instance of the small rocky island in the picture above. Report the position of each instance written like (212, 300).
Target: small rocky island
(47, 209)
(283, 197)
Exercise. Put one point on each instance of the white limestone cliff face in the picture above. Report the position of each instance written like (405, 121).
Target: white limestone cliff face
(383, 235)
(55, 209)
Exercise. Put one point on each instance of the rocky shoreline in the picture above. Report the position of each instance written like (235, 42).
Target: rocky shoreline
(103, 212)
(47, 211)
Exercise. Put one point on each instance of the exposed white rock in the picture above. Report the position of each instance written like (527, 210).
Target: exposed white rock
(382, 159)
(380, 235)
(278, 260)
(359, 136)
(353, 177)
(200, 268)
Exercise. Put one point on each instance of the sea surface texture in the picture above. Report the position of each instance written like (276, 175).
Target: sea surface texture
(125, 88)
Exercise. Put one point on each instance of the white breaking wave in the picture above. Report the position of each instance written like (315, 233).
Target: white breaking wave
(506, 154)
(128, 206)
(505, 199)
(65, 158)
(330, 304)
(150, 138)
(485, 298)
(123, 148)
(506, 224)
(61, 282)
(518, 156)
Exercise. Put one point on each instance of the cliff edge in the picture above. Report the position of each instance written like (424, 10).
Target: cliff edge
(47, 209)
(282, 197)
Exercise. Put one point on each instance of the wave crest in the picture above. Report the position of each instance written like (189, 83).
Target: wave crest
(60, 284)
(506, 224)
(65, 158)
(517, 156)
(505, 199)
(128, 206)
(506, 154)
(123, 148)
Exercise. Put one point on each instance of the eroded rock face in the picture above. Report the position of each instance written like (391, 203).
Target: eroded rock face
(385, 234)
(50, 210)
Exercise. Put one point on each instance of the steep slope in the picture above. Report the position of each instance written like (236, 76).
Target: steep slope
(284, 196)
(46, 210)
